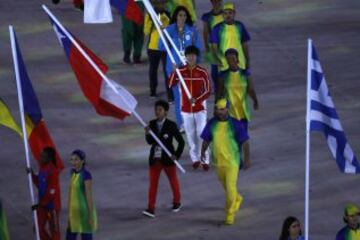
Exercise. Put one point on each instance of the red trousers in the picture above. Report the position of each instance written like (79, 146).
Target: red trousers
(154, 174)
(78, 3)
(49, 227)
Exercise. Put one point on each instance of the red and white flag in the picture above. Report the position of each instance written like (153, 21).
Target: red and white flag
(108, 100)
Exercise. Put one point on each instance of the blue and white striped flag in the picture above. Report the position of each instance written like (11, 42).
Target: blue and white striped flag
(323, 118)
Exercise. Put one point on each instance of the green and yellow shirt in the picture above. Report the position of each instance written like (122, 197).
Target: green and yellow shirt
(211, 20)
(150, 29)
(78, 208)
(227, 138)
(227, 36)
(235, 91)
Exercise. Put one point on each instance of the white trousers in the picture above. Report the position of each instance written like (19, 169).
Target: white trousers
(194, 124)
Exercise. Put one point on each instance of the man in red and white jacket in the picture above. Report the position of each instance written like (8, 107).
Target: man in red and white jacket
(193, 111)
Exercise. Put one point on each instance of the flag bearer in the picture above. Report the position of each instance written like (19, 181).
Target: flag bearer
(48, 207)
(194, 111)
(183, 34)
(166, 130)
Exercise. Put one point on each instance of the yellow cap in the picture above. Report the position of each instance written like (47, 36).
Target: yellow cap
(351, 209)
(221, 103)
(229, 6)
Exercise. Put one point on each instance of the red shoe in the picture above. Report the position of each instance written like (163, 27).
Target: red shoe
(196, 165)
(205, 167)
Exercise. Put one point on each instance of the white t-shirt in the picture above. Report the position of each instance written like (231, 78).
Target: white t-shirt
(97, 11)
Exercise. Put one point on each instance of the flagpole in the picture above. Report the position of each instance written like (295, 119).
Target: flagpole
(155, 21)
(109, 83)
(307, 162)
(21, 108)
(154, 17)
(159, 142)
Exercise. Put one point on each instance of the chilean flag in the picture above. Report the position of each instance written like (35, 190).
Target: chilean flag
(37, 133)
(129, 9)
(106, 100)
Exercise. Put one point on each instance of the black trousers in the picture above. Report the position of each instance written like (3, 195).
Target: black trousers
(155, 57)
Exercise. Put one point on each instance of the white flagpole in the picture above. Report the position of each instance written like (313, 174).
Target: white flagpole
(155, 21)
(155, 17)
(159, 142)
(307, 163)
(109, 83)
(21, 107)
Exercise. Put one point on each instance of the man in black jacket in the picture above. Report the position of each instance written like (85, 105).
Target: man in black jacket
(166, 130)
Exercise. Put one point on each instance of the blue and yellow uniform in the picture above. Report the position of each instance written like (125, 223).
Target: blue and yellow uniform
(346, 233)
(227, 36)
(352, 212)
(236, 92)
(227, 138)
(211, 20)
(78, 207)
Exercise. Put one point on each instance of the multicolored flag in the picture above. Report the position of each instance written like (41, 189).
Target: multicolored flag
(7, 119)
(108, 97)
(4, 232)
(37, 133)
(103, 97)
(129, 9)
(323, 118)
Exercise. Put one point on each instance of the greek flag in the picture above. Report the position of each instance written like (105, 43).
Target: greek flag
(323, 116)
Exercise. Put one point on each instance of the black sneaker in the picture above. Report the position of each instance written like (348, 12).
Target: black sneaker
(137, 60)
(126, 58)
(176, 207)
(153, 95)
(149, 213)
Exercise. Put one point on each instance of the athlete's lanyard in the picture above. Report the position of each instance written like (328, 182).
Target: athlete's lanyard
(181, 39)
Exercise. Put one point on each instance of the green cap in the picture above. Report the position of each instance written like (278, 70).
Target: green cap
(351, 209)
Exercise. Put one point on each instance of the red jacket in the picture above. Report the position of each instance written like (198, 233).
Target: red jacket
(198, 83)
